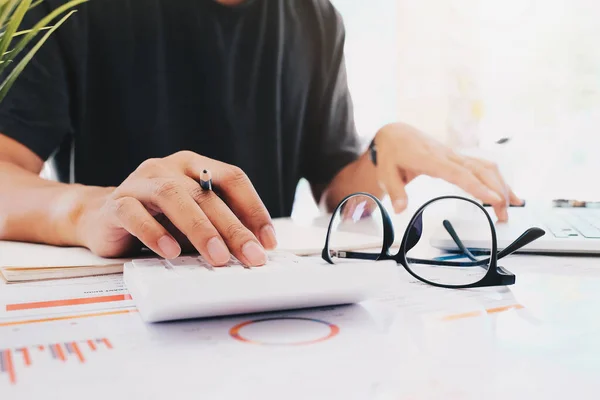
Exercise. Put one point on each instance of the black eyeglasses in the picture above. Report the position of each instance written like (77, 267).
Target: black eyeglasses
(449, 242)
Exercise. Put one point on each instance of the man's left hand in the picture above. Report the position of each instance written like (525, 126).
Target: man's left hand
(403, 153)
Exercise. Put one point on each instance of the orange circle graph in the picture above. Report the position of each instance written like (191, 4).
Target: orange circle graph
(235, 331)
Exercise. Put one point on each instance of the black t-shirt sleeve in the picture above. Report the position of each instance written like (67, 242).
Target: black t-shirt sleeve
(35, 111)
(331, 140)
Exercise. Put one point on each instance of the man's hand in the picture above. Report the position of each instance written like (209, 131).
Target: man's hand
(115, 221)
(403, 153)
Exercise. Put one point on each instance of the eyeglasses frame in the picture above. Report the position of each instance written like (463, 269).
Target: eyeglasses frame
(495, 275)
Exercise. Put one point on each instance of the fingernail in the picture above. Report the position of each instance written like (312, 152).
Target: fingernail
(399, 205)
(217, 251)
(169, 247)
(268, 237)
(254, 253)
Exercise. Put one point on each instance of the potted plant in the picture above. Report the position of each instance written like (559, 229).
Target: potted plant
(13, 41)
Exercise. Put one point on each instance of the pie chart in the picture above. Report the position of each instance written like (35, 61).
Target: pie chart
(284, 331)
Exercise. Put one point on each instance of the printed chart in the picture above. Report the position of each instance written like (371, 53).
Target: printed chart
(284, 331)
(30, 301)
(11, 360)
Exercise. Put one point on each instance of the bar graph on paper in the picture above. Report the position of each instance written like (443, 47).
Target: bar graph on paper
(13, 360)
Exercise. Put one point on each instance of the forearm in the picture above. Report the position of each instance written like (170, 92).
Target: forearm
(359, 176)
(33, 209)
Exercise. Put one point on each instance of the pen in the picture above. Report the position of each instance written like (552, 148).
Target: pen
(206, 180)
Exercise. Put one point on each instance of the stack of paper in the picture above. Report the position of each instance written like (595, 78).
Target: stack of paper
(21, 262)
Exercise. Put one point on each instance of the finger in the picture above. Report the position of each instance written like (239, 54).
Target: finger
(135, 219)
(510, 197)
(358, 207)
(514, 199)
(172, 198)
(239, 239)
(240, 195)
(462, 177)
(393, 181)
(490, 177)
(184, 242)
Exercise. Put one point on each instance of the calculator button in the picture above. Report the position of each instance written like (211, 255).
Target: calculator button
(202, 262)
(190, 264)
(184, 262)
(230, 268)
(148, 263)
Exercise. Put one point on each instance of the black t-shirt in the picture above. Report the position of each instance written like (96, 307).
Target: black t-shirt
(261, 86)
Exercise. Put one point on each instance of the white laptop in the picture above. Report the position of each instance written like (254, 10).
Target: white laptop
(569, 230)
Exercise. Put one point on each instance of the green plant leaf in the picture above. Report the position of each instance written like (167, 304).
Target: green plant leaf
(33, 5)
(26, 31)
(14, 74)
(7, 8)
(38, 26)
(21, 33)
(13, 25)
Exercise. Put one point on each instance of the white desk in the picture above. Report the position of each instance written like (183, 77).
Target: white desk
(537, 339)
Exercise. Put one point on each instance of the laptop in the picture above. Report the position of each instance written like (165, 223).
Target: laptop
(570, 229)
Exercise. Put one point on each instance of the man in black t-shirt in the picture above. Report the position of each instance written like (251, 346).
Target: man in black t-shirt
(131, 99)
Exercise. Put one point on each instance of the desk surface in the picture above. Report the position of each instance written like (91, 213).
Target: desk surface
(83, 338)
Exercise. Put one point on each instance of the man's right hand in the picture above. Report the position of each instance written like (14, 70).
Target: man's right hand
(116, 221)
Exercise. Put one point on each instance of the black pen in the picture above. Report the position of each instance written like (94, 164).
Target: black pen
(206, 180)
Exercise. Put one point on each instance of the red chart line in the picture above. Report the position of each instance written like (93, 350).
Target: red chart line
(78, 352)
(59, 352)
(26, 356)
(10, 369)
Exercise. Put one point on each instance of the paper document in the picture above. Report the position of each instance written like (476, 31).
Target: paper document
(411, 296)
(34, 300)
(29, 261)
(309, 239)
(81, 338)
(80, 353)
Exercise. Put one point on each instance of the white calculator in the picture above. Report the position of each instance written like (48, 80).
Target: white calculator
(188, 287)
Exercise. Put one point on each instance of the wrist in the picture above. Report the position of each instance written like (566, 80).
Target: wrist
(74, 209)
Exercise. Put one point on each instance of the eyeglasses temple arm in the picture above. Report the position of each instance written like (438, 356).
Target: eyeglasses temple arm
(527, 237)
(459, 243)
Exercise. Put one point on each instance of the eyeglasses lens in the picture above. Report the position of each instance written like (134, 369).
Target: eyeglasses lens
(449, 243)
(356, 230)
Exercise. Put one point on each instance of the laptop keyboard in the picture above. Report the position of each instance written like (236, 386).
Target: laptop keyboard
(575, 223)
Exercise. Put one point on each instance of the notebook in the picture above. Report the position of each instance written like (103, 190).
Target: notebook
(21, 262)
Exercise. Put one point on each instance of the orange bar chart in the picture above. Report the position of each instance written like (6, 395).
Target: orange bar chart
(13, 359)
